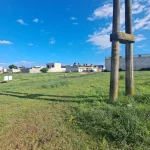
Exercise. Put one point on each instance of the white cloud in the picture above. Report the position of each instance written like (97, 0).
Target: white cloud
(102, 12)
(143, 23)
(30, 44)
(102, 41)
(26, 62)
(21, 22)
(75, 23)
(140, 37)
(100, 37)
(36, 20)
(141, 46)
(5, 42)
(73, 18)
(2, 63)
(52, 41)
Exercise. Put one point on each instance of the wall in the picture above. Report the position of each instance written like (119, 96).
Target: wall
(25, 70)
(1, 69)
(16, 70)
(72, 68)
(35, 70)
(139, 62)
(57, 70)
(80, 69)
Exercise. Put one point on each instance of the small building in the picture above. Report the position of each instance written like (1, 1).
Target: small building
(36, 69)
(1, 70)
(55, 67)
(11, 70)
(84, 68)
(139, 62)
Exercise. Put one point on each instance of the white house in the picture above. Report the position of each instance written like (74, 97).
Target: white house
(1, 70)
(11, 70)
(55, 67)
(139, 62)
(79, 68)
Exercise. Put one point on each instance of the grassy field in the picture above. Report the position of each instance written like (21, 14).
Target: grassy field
(53, 112)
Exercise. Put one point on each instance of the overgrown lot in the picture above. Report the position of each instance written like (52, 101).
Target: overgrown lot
(53, 112)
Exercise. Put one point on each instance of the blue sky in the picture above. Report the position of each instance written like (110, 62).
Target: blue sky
(34, 32)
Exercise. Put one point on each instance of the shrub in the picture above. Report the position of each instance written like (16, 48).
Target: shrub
(145, 69)
(105, 70)
(121, 77)
(120, 69)
(44, 70)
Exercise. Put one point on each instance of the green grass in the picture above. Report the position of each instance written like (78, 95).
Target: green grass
(53, 112)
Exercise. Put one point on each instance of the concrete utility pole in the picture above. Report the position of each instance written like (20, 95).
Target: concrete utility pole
(129, 49)
(116, 38)
(115, 52)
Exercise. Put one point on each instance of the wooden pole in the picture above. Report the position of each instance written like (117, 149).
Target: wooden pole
(129, 49)
(115, 53)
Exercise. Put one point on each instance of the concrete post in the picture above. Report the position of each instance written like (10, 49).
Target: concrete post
(115, 53)
(129, 49)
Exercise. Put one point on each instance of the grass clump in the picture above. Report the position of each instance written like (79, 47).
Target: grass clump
(144, 98)
(55, 84)
(114, 123)
(121, 77)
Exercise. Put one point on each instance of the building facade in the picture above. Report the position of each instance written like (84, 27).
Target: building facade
(78, 68)
(1, 70)
(55, 67)
(139, 62)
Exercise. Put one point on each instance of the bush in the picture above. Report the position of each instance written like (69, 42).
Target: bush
(120, 69)
(105, 70)
(44, 70)
(121, 77)
(145, 69)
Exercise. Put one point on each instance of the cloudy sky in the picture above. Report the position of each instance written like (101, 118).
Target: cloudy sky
(34, 32)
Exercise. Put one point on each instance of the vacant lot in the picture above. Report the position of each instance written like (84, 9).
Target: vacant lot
(53, 112)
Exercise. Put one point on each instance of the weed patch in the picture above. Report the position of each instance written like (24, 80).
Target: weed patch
(114, 123)
(55, 84)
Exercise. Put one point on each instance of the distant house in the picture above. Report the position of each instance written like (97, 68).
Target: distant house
(82, 68)
(11, 70)
(55, 67)
(36, 69)
(52, 67)
(1, 70)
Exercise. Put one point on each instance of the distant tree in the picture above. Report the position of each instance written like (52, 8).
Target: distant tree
(13, 67)
(74, 64)
(44, 70)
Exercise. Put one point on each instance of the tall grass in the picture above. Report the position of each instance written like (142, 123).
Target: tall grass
(50, 111)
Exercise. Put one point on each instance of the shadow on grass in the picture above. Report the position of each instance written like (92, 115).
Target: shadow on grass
(56, 98)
